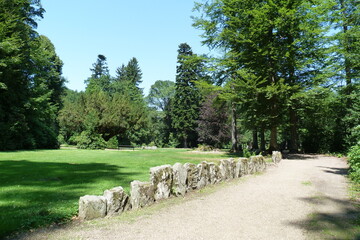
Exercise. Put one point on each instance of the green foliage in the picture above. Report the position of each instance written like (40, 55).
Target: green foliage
(246, 153)
(204, 148)
(186, 102)
(351, 120)
(173, 141)
(160, 122)
(100, 68)
(354, 162)
(109, 107)
(317, 119)
(345, 60)
(30, 79)
(112, 143)
(160, 94)
(273, 50)
(89, 140)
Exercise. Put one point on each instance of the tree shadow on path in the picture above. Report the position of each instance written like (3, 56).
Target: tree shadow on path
(339, 171)
(302, 157)
(341, 224)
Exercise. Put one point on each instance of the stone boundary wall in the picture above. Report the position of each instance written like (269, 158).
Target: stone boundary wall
(166, 181)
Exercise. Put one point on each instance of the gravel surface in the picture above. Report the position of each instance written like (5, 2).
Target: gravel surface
(273, 205)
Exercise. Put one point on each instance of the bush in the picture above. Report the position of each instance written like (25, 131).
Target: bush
(113, 143)
(204, 148)
(61, 139)
(354, 162)
(173, 141)
(88, 140)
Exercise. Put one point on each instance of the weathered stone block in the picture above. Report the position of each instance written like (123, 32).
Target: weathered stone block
(225, 169)
(91, 207)
(162, 178)
(244, 166)
(232, 168)
(239, 170)
(117, 201)
(203, 175)
(192, 176)
(214, 173)
(142, 194)
(179, 180)
(257, 164)
(276, 157)
(262, 164)
(253, 164)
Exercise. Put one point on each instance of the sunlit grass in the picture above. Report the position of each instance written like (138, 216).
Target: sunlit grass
(41, 187)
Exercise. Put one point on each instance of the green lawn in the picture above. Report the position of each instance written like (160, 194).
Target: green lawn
(41, 187)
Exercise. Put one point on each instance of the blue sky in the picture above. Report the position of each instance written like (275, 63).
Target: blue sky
(151, 31)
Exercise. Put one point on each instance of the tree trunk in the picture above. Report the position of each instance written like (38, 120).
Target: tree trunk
(255, 140)
(293, 132)
(234, 139)
(346, 46)
(185, 142)
(273, 139)
(262, 140)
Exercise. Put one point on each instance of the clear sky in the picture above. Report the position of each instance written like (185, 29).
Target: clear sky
(151, 31)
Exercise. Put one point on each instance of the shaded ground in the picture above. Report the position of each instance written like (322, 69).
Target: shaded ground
(305, 197)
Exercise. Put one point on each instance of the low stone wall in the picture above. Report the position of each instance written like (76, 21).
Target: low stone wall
(166, 181)
(276, 157)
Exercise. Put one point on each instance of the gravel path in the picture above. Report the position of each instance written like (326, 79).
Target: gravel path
(273, 205)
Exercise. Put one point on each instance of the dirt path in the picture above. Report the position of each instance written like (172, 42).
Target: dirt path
(274, 205)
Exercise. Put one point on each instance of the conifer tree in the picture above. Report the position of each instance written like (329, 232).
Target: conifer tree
(185, 105)
(30, 79)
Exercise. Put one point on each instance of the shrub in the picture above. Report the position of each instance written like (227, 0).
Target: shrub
(204, 148)
(113, 143)
(354, 162)
(173, 141)
(88, 140)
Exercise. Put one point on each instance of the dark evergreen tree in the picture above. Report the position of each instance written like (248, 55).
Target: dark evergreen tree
(185, 105)
(100, 68)
(100, 78)
(127, 80)
(30, 79)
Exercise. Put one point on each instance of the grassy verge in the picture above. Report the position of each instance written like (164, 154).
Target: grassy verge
(38, 188)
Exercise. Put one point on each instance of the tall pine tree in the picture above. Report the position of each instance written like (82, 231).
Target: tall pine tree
(185, 105)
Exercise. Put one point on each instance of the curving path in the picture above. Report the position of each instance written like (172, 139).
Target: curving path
(273, 205)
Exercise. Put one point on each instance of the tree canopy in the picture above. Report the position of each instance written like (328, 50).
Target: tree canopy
(285, 72)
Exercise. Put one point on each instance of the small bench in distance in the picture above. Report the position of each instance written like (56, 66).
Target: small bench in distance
(123, 147)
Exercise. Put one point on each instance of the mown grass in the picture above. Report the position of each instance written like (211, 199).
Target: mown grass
(41, 187)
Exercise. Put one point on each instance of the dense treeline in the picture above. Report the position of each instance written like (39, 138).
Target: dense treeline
(30, 79)
(287, 78)
(284, 64)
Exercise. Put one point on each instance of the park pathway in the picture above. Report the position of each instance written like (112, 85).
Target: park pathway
(274, 205)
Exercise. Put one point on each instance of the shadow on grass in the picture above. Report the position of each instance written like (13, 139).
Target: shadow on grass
(34, 194)
(343, 224)
(233, 154)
